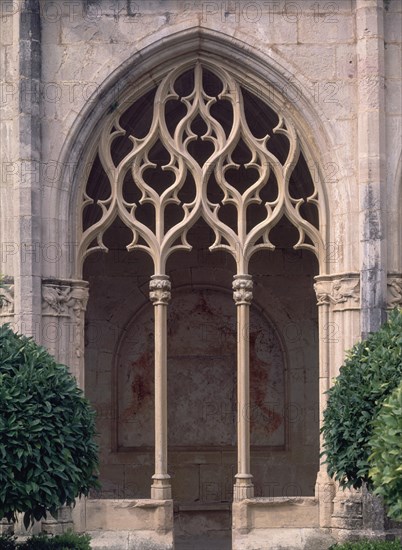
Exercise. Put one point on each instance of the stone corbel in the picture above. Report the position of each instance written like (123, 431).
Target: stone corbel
(394, 290)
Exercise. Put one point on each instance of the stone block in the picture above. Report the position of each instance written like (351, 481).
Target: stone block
(393, 61)
(60, 524)
(139, 515)
(186, 482)
(392, 26)
(130, 540)
(281, 539)
(286, 513)
(393, 98)
(330, 27)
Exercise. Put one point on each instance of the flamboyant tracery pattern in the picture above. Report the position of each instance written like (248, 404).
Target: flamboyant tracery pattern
(181, 168)
(190, 152)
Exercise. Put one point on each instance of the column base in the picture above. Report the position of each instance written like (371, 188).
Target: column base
(161, 488)
(325, 490)
(243, 488)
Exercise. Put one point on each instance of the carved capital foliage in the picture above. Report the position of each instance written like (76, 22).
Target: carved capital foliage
(7, 298)
(394, 290)
(159, 290)
(339, 291)
(242, 289)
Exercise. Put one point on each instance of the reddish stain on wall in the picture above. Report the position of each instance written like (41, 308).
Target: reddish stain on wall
(259, 379)
(141, 384)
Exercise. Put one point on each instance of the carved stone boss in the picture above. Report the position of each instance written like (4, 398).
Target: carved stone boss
(241, 240)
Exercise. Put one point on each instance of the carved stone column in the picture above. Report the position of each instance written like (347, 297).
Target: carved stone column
(159, 295)
(338, 301)
(242, 295)
(325, 486)
(64, 303)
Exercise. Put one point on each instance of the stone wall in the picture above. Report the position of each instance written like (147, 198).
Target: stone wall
(334, 68)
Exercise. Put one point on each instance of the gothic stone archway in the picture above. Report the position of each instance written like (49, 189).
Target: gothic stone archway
(200, 153)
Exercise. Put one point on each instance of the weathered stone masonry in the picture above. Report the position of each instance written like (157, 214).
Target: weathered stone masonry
(324, 80)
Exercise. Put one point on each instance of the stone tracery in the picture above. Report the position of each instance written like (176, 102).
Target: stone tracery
(198, 154)
(241, 238)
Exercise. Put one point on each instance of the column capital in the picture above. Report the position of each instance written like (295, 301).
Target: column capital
(63, 297)
(159, 290)
(242, 289)
(341, 291)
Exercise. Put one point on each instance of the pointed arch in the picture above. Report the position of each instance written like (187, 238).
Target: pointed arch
(273, 168)
(262, 76)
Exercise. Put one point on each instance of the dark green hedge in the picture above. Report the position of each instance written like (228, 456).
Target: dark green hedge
(67, 541)
(368, 545)
(371, 371)
(386, 457)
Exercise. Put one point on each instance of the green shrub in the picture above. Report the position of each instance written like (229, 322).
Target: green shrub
(67, 541)
(371, 371)
(7, 542)
(367, 545)
(386, 457)
(48, 456)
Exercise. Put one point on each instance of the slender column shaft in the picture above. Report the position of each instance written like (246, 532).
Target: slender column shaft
(325, 487)
(242, 287)
(243, 389)
(160, 296)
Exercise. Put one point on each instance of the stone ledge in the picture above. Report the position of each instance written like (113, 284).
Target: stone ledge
(130, 540)
(129, 515)
(274, 513)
